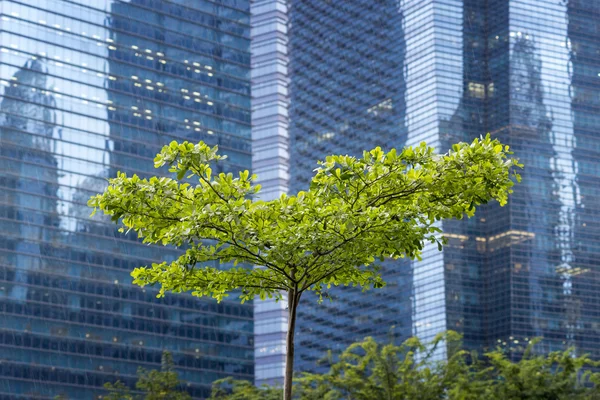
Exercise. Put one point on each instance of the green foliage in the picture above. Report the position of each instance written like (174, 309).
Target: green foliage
(230, 389)
(160, 384)
(560, 376)
(367, 370)
(357, 211)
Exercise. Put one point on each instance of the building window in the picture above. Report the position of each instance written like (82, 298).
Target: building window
(476, 90)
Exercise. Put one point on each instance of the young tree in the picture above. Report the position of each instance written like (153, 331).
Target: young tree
(160, 384)
(356, 211)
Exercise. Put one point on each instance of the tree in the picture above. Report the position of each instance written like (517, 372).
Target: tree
(367, 370)
(557, 376)
(230, 389)
(160, 384)
(356, 211)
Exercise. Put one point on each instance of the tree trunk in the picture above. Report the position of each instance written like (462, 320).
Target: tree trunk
(293, 298)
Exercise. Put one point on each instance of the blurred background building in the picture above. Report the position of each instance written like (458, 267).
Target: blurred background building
(357, 74)
(91, 87)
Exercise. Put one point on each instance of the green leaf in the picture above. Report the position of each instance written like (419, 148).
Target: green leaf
(356, 211)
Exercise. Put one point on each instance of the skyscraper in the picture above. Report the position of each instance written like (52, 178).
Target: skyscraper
(392, 73)
(89, 88)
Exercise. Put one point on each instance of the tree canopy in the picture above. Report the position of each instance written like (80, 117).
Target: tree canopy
(357, 211)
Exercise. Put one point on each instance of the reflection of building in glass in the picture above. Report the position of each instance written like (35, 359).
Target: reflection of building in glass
(346, 94)
(468, 67)
(582, 48)
(26, 144)
(92, 87)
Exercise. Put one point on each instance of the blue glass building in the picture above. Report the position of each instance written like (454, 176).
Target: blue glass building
(89, 88)
(347, 95)
(388, 73)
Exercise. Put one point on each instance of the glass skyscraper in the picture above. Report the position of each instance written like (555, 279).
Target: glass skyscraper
(347, 95)
(393, 73)
(91, 87)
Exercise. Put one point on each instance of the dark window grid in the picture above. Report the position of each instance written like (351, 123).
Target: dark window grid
(107, 376)
(215, 30)
(48, 228)
(236, 54)
(355, 14)
(339, 324)
(149, 161)
(355, 105)
(220, 3)
(108, 14)
(106, 168)
(522, 296)
(8, 213)
(14, 396)
(54, 292)
(337, 78)
(373, 65)
(143, 333)
(204, 34)
(10, 210)
(199, 363)
(343, 333)
(143, 363)
(165, 137)
(218, 67)
(195, 46)
(111, 287)
(158, 119)
(205, 306)
(349, 108)
(197, 393)
(19, 339)
(141, 67)
(172, 101)
(175, 93)
(231, 4)
(67, 309)
(84, 249)
(123, 240)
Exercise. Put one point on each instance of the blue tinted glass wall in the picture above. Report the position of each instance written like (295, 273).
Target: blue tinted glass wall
(90, 88)
(347, 95)
(525, 71)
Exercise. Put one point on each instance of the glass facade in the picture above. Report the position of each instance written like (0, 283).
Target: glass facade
(91, 87)
(270, 161)
(348, 94)
(388, 73)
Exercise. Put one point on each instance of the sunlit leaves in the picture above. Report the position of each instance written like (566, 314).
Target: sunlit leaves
(356, 212)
